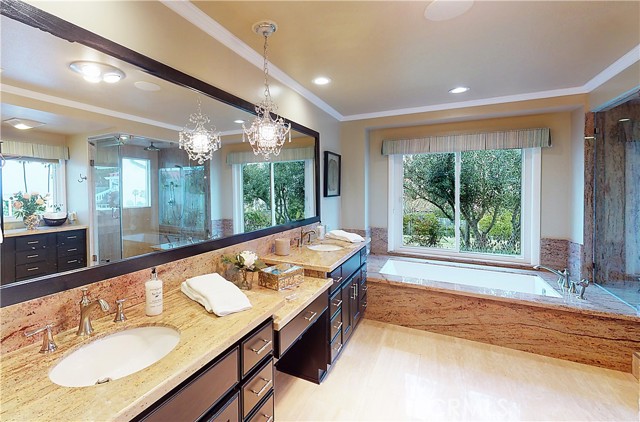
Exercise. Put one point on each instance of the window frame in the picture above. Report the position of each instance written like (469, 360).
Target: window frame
(530, 227)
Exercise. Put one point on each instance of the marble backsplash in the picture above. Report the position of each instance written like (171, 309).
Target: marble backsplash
(62, 309)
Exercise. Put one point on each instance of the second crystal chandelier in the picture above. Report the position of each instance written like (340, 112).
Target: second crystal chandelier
(199, 142)
(268, 131)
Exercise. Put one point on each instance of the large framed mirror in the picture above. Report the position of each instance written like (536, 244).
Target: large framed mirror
(117, 169)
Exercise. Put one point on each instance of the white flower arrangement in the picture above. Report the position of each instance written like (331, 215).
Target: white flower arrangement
(245, 260)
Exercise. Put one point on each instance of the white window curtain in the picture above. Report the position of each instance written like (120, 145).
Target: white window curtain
(511, 139)
(288, 154)
(41, 151)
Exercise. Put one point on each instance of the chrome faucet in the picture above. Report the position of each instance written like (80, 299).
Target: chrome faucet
(563, 277)
(86, 306)
(583, 286)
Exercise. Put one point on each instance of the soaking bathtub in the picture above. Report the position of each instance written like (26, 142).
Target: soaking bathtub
(470, 276)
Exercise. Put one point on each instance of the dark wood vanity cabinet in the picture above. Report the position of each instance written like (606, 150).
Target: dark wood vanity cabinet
(235, 386)
(35, 254)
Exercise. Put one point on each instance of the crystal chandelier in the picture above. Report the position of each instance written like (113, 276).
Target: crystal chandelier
(268, 131)
(200, 143)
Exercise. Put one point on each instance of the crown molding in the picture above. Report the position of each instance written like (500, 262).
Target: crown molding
(614, 69)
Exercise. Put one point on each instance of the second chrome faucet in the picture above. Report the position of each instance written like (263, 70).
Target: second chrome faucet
(86, 306)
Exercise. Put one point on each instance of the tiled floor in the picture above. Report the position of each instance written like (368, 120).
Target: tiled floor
(393, 373)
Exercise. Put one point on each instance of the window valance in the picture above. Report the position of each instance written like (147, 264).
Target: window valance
(287, 154)
(41, 151)
(511, 139)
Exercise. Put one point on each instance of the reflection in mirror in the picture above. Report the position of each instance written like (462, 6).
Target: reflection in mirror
(108, 155)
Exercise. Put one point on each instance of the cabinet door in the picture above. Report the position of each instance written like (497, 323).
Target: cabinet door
(347, 293)
(355, 304)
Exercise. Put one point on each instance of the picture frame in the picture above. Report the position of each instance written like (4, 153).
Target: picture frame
(332, 174)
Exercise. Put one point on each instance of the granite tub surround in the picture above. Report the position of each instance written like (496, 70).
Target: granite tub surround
(566, 328)
(314, 261)
(28, 394)
(62, 309)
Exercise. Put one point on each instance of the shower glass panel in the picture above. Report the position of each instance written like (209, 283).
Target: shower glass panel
(107, 222)
(617, 202)
(183, 195)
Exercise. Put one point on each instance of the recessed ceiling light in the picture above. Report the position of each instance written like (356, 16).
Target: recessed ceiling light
(23, 124)
(146, 86)
(321, 80)
(95, 72)
(624, 119)
(459, 90)
(442, 10)
(238, 121)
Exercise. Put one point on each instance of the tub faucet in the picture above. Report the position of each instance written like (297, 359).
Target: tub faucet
(307, 233)
(583, 286)
(563, 277)
(86, 306)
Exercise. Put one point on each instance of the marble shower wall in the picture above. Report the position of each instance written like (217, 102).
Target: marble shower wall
(62, 309)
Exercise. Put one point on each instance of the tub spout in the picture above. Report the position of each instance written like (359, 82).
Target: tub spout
(563, 276)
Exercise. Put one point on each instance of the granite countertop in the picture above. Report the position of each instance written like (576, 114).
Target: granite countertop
(43, 229)
(28, 394)
(317, 261)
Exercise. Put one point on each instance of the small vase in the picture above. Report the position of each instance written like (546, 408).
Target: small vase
(246, 279)
(31, 221)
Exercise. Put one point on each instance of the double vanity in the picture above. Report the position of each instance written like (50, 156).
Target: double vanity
(222, 368)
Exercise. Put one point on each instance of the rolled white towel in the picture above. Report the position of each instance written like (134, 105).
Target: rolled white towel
(345, 236)
(216, 294)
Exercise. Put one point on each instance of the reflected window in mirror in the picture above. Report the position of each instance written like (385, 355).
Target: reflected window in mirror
(136, 183)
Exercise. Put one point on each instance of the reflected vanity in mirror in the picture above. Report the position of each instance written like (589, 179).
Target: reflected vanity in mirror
(119, 172)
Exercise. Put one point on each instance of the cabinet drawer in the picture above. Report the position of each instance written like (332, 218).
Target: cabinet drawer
(72, 248)
(67, 263)
(336, 347)
(363, 255)
(195, 398)
(33, 242)
(294, 329)
(335, 304)
(259, 386)
(70, 237)
(27, 257)
(229, 413)
(363, 303)
(34, 269)
(265, 412)
(256, 347)
(336, 325)
(336, 275)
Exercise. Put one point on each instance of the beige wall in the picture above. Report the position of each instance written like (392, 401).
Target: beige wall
(362, 141)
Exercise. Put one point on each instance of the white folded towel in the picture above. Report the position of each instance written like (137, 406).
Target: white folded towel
(345, 236)
(216, 294)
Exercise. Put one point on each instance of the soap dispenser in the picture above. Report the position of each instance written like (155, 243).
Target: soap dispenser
(153, 295)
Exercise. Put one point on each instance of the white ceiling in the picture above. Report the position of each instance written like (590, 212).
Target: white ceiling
(384, 57)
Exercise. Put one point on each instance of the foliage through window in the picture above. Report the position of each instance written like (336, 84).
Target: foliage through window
(464, 202)
(272, 193)
(28, 176)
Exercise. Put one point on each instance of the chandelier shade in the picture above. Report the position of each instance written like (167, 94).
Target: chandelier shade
(199, 142)
(268, 131)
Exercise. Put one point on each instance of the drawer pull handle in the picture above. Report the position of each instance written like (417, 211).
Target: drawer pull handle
(72, 261)
(263, 389)
(33, 256)
(337, 280)
(365, 288)
(337, 349)
(33, 269)
(313, 315)
(364, 304)
(337, 304)
(339, 326)
(72, 237)
(72, 250)
(269, 418)
(33, 242)
(267, 343)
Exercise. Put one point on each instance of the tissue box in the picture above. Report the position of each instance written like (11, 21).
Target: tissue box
(281, 276)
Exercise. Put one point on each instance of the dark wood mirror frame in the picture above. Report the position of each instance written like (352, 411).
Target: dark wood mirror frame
(30, 289)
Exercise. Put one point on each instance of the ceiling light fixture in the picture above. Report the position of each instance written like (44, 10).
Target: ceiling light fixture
(95, 72)
(200, 143)
(442, 10)
(238, 121)
(268, 131)
(23, 124)
(458, 90)
(321, 80)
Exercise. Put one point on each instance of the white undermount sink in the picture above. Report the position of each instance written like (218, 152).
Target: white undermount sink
(115, 356)
(325, 248)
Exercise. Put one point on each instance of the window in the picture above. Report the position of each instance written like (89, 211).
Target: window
(273, 193)
(468, 204)
(136, 182)
(28, 175)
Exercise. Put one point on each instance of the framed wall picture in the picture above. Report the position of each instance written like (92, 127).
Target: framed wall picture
(332, 171)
